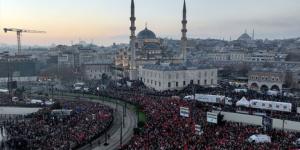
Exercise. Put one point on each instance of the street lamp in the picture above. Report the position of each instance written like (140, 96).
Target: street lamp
(98, 91)
(116, 104)
(105, 142)
(122, 126)
(125, 109)
(121, 133)
(52, 90)
(123, 117)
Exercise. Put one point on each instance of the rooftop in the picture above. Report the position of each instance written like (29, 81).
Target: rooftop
(176, 67)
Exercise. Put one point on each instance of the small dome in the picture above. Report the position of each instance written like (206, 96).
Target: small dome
(146, 34)
(244, 37)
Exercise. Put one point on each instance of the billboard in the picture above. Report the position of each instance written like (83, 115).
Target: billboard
(212, 117)
(198, 129)
(184, 112)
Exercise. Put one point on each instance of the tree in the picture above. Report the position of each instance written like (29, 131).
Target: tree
(19, 92)
(243, 70)
(56, 105)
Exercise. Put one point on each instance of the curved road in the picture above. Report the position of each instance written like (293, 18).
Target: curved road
(130, 122)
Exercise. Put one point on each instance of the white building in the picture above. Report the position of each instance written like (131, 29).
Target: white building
(219, 56)
(94, 71)
(237, 56)
(265, 56)
(174, 77)
(261, 57)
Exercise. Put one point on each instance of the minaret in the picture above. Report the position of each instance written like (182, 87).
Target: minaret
(132, 36)
(183, 31)
(253, 35)
(132, 42)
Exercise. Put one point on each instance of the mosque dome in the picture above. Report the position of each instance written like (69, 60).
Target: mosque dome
(146, 34)
(244, 37)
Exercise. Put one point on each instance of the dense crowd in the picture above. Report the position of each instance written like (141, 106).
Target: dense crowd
(4, 99)
(48, 131)
(226, 90)
(166, 129)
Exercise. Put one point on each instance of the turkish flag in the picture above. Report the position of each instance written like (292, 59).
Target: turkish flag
(185, 147)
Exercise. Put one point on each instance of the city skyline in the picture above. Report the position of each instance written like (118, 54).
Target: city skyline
(105, 22)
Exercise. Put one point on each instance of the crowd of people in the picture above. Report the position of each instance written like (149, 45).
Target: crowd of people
(78, 124)
(166, 129)
(4, 99)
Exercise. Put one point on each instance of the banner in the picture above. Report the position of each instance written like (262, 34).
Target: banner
(198, 129)
(184, 112)
(212, 117)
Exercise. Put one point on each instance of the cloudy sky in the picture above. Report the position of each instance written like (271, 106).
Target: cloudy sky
(106, 21)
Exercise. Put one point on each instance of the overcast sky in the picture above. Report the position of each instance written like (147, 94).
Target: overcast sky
(106, 21)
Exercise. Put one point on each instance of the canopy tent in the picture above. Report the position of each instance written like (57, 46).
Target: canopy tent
(297, 142)
(243, 102)
(259, 138)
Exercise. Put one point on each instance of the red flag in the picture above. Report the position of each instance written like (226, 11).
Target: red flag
(186, 147)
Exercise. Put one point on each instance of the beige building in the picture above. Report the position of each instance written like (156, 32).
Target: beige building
(175, 77)
(266, 79)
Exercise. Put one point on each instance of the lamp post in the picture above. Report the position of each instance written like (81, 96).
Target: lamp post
(116, 104)
(105, 142)
(194, 101)
(98, 91)
(121, 133)
(125, 109)
(123, 117)
(52, 90)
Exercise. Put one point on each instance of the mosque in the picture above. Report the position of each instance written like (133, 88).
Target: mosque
(146, 60)
(146, 48)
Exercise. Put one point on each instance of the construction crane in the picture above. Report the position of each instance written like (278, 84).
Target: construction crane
(19, 33)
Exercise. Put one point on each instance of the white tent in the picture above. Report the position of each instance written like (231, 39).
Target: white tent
(243, 102)
(259, 138)
(297, 142)
(272, 93)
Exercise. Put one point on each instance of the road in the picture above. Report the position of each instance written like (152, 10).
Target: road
(130, 122)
